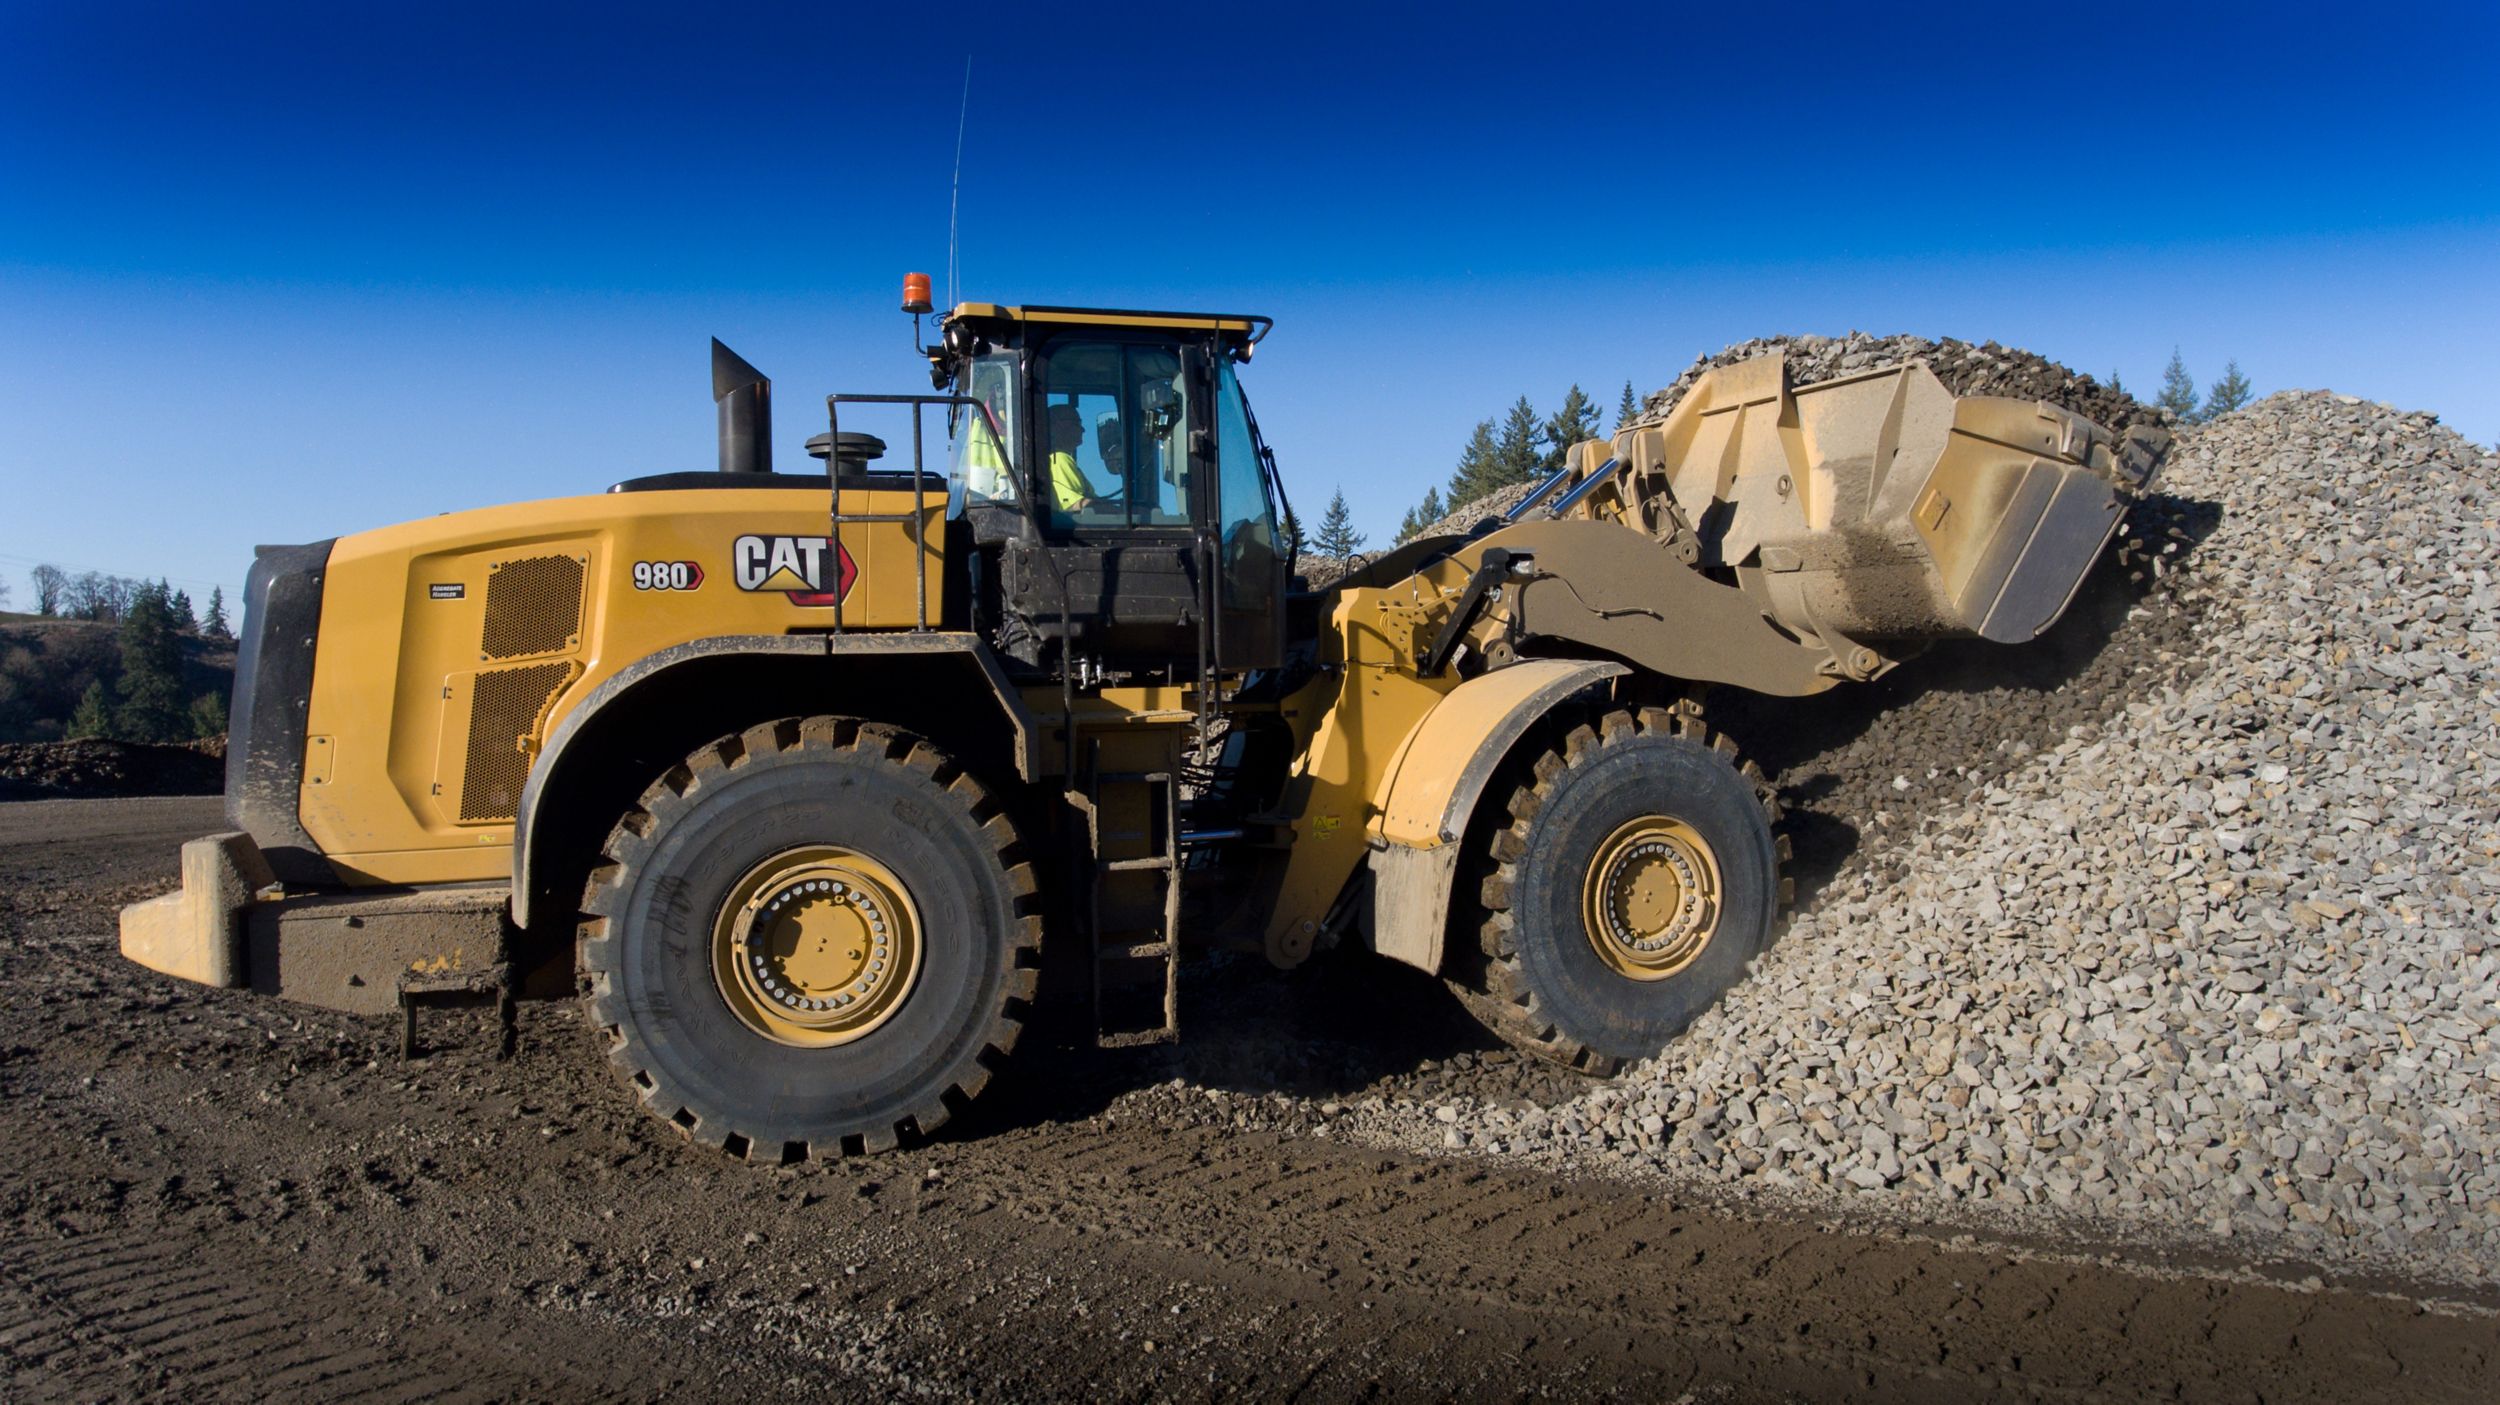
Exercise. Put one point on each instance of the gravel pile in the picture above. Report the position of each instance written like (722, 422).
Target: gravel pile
(2225, 962)
(1492, 504)
(1965, 369)
(1320, 572)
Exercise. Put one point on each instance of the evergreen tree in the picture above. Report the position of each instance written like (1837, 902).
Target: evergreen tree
(152, 708)
(2114, 387)
(1515, 452)
(1494, 460)
(208, 716)
(1629, 410)
(94, 717)
(1477, 472)
(1420, 516)
(2178, 389)
(2228, 393)
(1337, 536)
(213, 625)
(180, 605)
(1575, 421)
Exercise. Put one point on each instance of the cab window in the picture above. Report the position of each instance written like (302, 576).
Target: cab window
(984, 467)
(1114, 435)
(1249, 534)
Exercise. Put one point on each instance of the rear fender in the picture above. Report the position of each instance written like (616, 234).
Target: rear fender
(973, 671)
(1435, 784)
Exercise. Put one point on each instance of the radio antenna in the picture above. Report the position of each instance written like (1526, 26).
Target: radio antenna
(954, 202)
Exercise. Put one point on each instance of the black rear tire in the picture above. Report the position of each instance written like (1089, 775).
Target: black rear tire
(668, 874)
(1540, 977)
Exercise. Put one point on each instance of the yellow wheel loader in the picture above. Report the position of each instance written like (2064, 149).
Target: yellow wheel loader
(792, 777)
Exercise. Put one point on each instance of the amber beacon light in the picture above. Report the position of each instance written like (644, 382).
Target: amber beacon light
(915, 293)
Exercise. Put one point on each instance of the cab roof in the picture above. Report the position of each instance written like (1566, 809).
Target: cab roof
(1244, 329)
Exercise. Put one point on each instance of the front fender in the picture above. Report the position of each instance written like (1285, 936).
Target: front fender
(1434, 785)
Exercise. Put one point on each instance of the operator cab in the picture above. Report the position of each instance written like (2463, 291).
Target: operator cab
(1120, 505)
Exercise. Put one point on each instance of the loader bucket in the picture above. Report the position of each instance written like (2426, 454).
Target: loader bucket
(1880, 506)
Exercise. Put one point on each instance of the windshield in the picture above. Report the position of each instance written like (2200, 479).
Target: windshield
(1247, 515)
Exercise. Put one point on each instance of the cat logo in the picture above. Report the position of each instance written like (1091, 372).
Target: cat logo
(794, 566)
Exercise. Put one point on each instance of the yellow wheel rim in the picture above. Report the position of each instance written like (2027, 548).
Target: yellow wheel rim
(1651, 900)
(816, 946)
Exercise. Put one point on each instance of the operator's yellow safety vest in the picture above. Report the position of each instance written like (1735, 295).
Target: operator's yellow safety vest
(985, 465)
(1067, 482)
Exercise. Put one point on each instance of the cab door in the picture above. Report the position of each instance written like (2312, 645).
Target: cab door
(1244, 541)
(1115, 474)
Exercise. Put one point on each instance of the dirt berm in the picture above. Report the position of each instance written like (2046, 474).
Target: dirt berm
(95, 768)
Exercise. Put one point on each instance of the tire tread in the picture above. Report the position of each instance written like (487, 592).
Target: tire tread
(1500, 994)
(600, 951)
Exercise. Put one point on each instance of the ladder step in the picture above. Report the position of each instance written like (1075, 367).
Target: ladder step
(1134, 814)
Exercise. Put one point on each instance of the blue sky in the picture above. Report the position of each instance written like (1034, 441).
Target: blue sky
(274, 273)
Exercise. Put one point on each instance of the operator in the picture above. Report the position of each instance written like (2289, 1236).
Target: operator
(1070, 493)
(985, 463)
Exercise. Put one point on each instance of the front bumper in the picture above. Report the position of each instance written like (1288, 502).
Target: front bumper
(197, 932)
(362, 952)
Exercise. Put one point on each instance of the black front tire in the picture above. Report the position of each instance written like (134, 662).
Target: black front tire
(668, 869)
(1537, 977)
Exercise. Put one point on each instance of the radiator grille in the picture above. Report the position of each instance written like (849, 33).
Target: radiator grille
(533, 606)
(503, 716)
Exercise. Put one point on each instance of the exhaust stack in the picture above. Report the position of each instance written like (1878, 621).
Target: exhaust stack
(745, 397)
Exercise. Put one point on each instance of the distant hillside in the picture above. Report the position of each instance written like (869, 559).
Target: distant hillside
(46, 665)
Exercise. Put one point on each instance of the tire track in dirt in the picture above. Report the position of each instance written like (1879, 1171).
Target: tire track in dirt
(111, 1314)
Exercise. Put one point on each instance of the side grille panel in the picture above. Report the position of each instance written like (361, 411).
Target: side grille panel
(533, 606)
(503, 721)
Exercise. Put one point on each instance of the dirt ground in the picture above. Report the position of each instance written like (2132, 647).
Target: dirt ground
(224, 1197)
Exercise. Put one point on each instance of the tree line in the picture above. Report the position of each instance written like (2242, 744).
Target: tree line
(128, 685)
(2178, 391)
(93, 595)
(1520, 446)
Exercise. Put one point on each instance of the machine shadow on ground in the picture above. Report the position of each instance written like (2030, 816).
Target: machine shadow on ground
(1345, 1025)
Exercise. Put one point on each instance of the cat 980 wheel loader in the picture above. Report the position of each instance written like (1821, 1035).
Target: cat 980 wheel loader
(792, 777)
